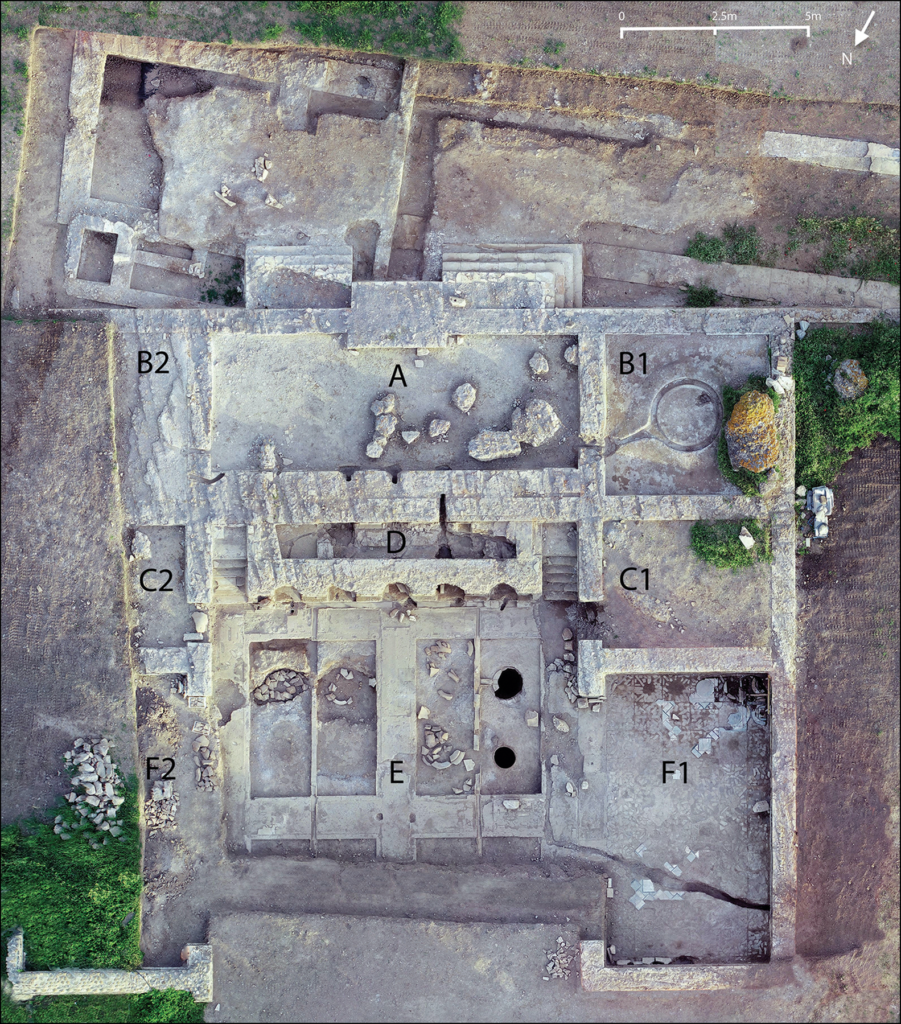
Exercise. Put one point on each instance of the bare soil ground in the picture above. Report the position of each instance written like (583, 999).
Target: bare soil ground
(781, 63)
(65, 665)
(848, 721)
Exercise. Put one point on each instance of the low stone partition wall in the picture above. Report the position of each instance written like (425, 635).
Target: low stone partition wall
(196, 977)
(597, 976)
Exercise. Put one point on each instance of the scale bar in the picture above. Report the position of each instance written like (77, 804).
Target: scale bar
(720, 28)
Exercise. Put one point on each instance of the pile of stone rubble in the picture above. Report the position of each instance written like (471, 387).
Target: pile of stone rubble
(282, 685)
(204, 757)
(97, 776)
(562, 672)
(559, 960)
(161, 807)
(334, 697)
(439, 754)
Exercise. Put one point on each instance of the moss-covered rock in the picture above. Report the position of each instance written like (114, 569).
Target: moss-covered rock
(751, 433)
(850, 381)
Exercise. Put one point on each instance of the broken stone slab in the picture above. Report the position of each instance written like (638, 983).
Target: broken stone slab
(423, 712)
(376, 447)
(538, 364)
(532, 719)
(801, 491)
(468, 764)
(439, 428)
(409, 436)
(382, 406)
(201, 621)
(386, 424)
(464, 397)
(536, 424)
(457, 756)
(745, 537)
(751, 437)
(494, 444)
(771, 382)
(140, 547)
(512, 805)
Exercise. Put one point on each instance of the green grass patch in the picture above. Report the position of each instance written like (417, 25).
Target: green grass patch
(554, 46)
(168, 1005)
(700, 296)
(736, 244)
(860, 247)
(70, 900)
(829, 428)
(403, 28)
(717, 542)
(80, 907)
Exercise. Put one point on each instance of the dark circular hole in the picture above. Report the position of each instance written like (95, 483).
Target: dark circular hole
(504, 757)
(509, 684)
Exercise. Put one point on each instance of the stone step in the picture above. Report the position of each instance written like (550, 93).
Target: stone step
(572, 254)
(562, 283)
(502, 263)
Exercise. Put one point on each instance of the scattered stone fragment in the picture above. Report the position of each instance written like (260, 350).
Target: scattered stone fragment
(536, 424)
(584, 783)
(409, 436)
(224, 194)
(761, 807)
(468, 764)
(386, 424)
(567, 633)
(423, 712)
(494, 444)
(201, 621)
(381, 406)
(439, 428)
(570, 789)
(571, 355)
(532, 719)
(261, 167)
(745, 537)
(446, 694)
(465, 397)
(457, 756)
(560, 725)
(512, 805)
(272, 202)
(538, 364)
(376, 447)
(470, 648)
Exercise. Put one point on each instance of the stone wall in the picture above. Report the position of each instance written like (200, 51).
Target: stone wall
(195, 977)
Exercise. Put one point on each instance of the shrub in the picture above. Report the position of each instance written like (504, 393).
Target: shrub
(717, 542)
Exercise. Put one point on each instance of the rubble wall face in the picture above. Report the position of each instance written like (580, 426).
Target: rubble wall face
(195, 977)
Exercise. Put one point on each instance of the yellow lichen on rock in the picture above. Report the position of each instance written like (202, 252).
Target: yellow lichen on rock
(751, 433)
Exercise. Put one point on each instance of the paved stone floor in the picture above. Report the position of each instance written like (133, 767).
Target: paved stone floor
(704, 827)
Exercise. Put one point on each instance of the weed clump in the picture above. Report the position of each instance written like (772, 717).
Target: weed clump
(828, 427)
(717, 542)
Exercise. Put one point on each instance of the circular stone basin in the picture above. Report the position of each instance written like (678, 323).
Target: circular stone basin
(504, 757)
(688, 415)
